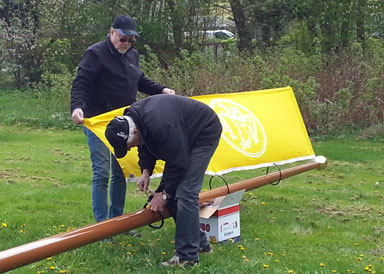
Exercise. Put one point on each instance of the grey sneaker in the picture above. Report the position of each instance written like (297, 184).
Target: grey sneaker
(206, 249)
(176, 262)
(132, 233)
(110, 240)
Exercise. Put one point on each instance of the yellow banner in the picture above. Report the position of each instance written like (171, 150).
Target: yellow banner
(260, 128)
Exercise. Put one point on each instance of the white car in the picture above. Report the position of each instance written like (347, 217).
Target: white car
(212, 34)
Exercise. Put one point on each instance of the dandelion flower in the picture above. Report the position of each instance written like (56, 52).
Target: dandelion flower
(290, 271)
(163, 253)
(262, 203)
(49, 258)
(63, 271)
(129, 253)
(51, 267)
(270, 253)
(246, 260)
(244, 257)
(322, 264)
(265, 265)
(334, 271)
(277, 261)
(3, 224)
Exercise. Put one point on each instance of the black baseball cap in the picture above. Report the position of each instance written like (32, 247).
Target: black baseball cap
(125, 25)
(117, 133)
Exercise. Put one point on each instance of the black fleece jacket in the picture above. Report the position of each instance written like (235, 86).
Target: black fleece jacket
(170, 126)
(107, 80)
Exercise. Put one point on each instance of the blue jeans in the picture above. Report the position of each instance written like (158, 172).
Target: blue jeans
(189, 238)
(103, 162)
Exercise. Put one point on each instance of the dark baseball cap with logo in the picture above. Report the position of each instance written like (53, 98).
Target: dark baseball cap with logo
(125, 25)
(117, 133)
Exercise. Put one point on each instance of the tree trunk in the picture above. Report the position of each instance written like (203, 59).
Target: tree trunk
(245, 40)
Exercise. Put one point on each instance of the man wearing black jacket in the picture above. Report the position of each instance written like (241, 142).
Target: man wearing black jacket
(108, 78)
(184, 133)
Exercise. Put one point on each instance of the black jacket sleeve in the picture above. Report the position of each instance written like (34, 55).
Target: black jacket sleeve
(175, 153)
(146, 160)
(84, 80)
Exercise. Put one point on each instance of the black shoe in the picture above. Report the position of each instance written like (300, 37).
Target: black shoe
(206, 249)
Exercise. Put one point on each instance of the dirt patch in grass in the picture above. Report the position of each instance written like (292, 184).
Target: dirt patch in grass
(13, 176)
(335, 211)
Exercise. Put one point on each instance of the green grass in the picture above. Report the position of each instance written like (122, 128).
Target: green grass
(332, 216)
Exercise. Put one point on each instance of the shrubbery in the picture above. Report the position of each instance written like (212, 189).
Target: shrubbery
(333, 93)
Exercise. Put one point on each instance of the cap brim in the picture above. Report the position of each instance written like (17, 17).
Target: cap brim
(127, 32)
(120, 152)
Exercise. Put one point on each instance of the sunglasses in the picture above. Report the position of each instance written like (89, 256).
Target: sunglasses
(130, 40)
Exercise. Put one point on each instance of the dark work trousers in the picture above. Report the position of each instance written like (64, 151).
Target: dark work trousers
(185, 207)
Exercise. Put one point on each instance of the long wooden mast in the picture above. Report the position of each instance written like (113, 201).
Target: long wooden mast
(47, 247)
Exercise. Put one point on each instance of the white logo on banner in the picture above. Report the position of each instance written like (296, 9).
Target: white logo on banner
(241, 129)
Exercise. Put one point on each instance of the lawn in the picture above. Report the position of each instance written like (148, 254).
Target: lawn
(321, 221)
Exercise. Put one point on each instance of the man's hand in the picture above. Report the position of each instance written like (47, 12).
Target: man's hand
(78, 116)
(157, 203)
(168, 91)
(143, 181)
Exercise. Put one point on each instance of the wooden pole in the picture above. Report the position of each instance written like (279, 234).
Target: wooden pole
(47, 247)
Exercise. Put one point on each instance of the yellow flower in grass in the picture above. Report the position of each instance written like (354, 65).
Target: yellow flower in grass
(242, 248)
(244, 257)
(21, 231)
(270, 253)
(49, 258)
(52, 268)
(277, 261)
(359, 258)
(172, 242)
(3, 224)
(129, 253)
(290, 271)
(63, 271)
(265, 265)
(40, 272)
(262, 203)
(163, 253)
(322, 264)
(334, 271)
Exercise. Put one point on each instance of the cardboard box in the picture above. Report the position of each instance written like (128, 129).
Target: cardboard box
(221, 220)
